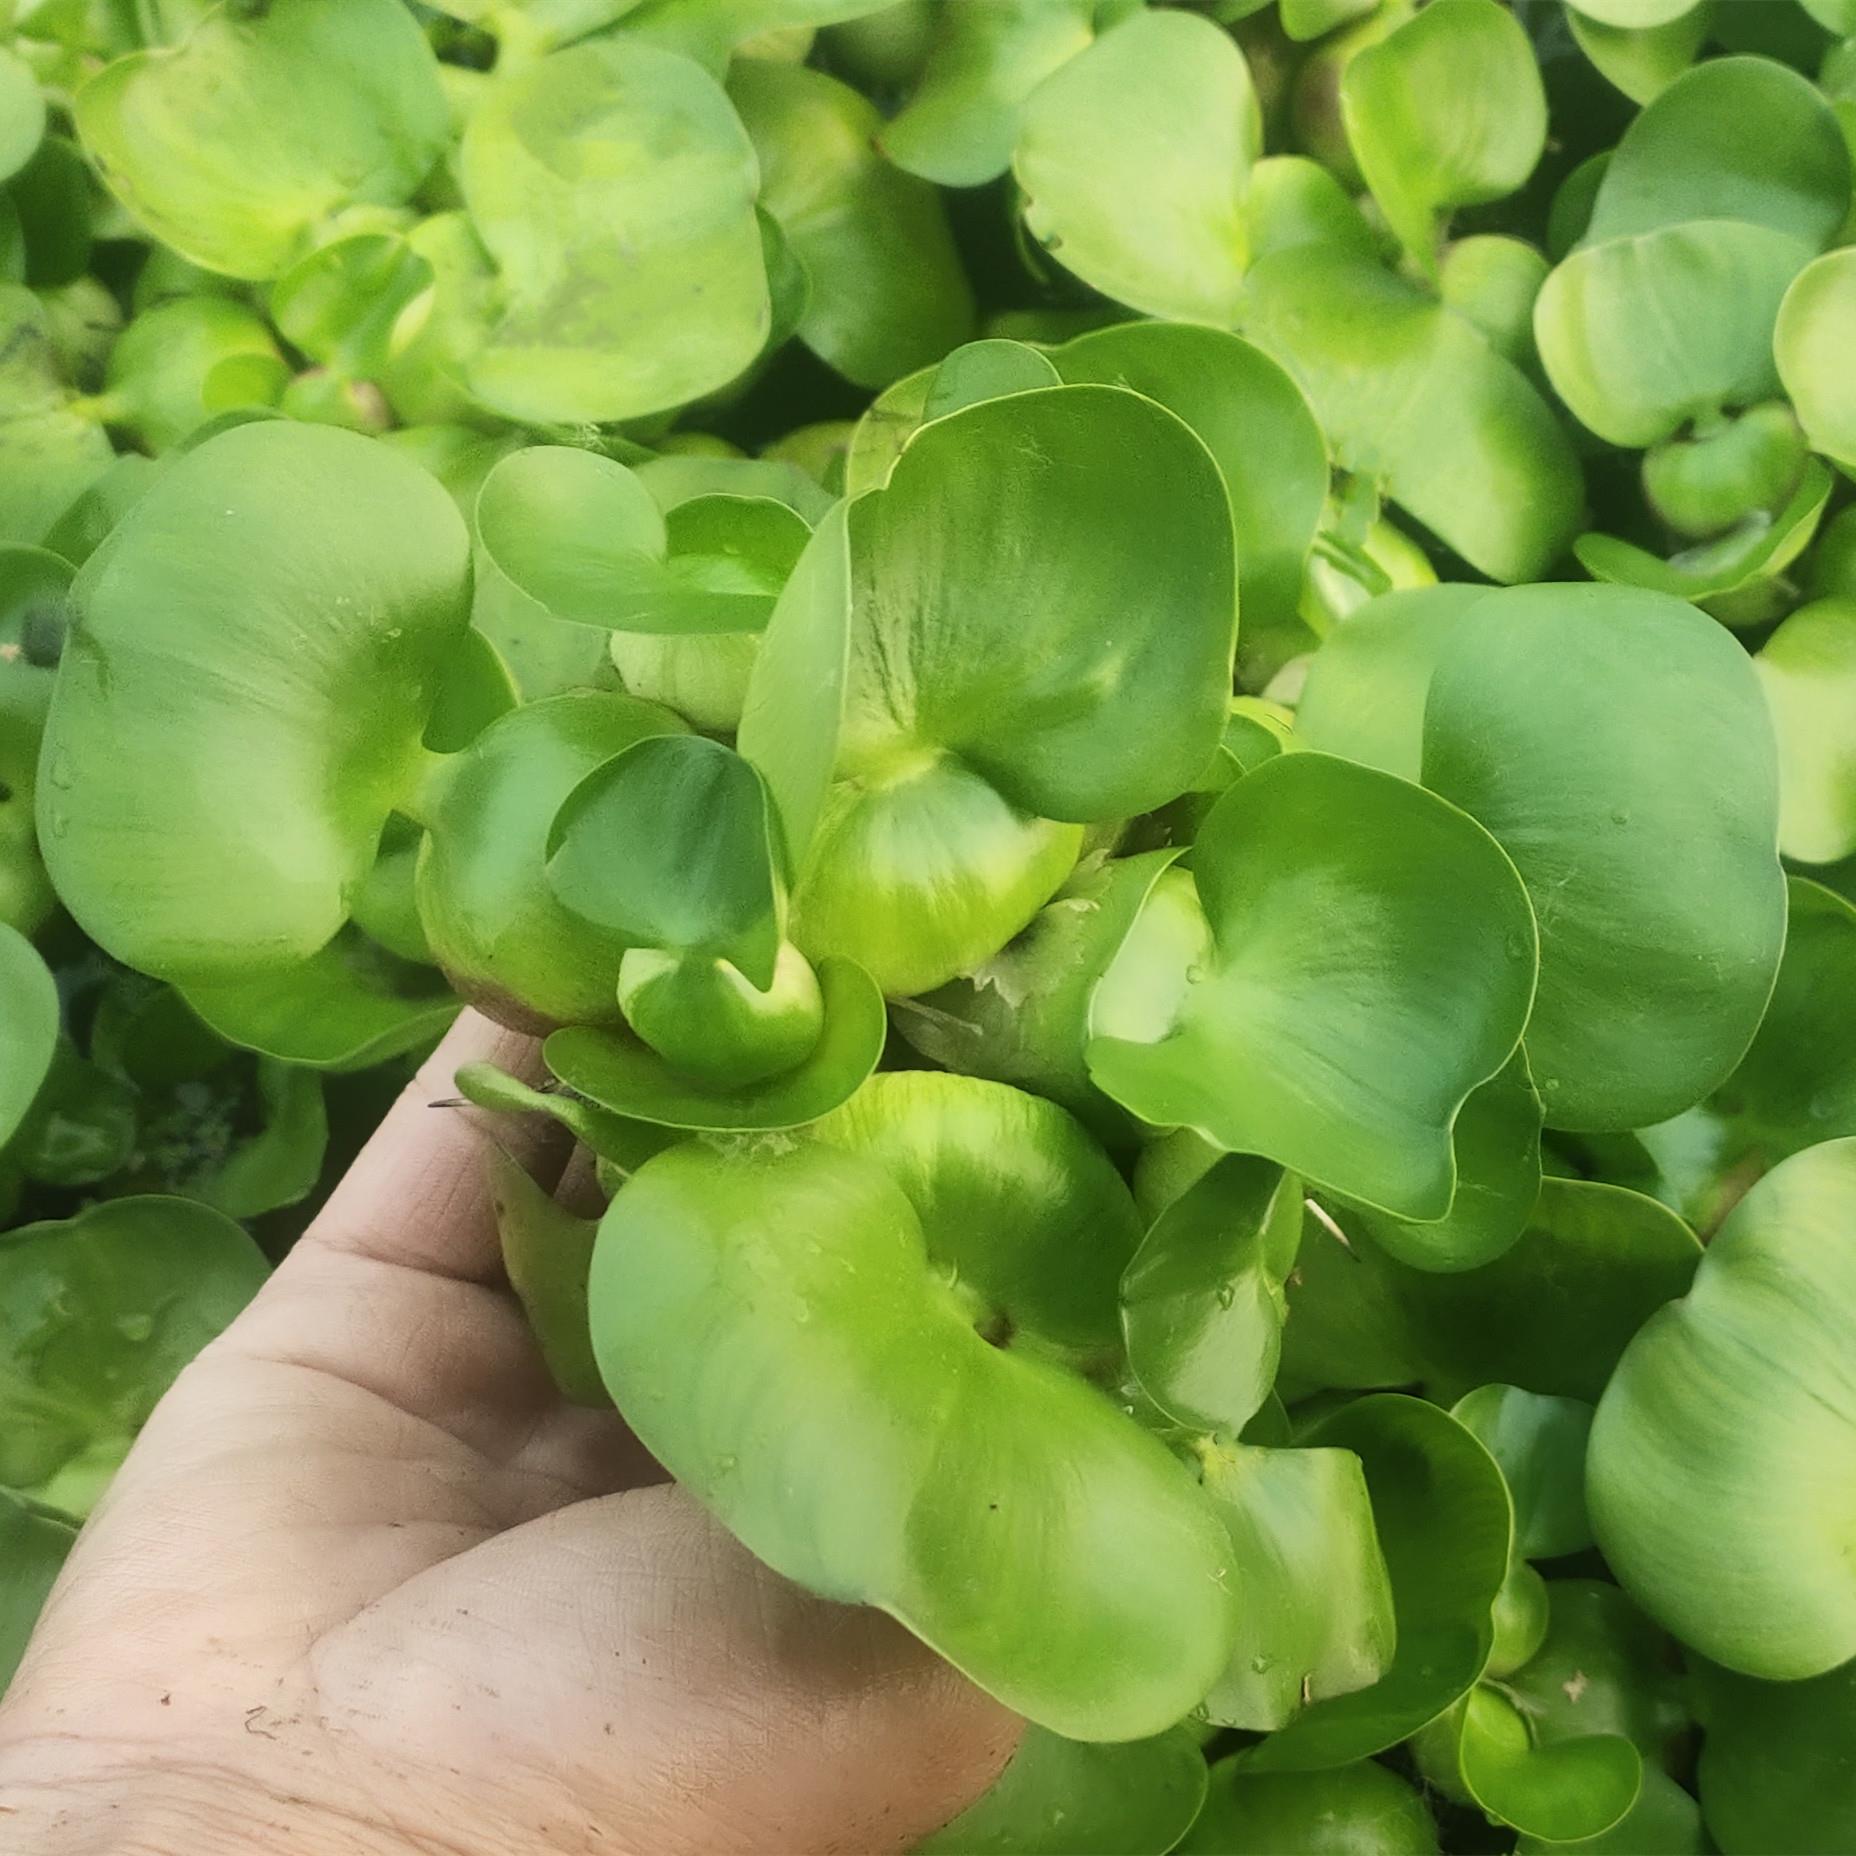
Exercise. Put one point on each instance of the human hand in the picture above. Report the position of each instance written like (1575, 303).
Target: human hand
(368, 1586)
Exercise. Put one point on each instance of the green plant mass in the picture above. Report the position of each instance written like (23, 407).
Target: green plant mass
(1155, 706)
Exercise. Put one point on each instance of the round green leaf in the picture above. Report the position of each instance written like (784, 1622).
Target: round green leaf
(627, 1076)
(1201, 1301)
(1257, 426)
(178, 364)
(1444, 1526)
(238, 143)
(265, 632)
(866, 1442)
(1446, 111)
(1025, 1211)
(1615, 744)
(1062, 1797)
(1368, 960)
(613, 186)
(1410, 393)
(1734, 138)
(1540, 1444)
(98, 1314)
(986, 370)
(494, 924)
(1620, 341)
(622, 1144)
(28, 1027)
(961, 120)
(888, 294)
(1133, 158)
(1358, 1809)
(1816, 325)
(1808, 668)
(1317, 1617)
(1723, 1449)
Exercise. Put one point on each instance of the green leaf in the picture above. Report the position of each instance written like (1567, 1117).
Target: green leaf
(178, 364)
(961, 120)
(1562, 1790)
(1723, 1443)
(494, 924)
(265, 631)
(584, 537)
(346, 1006)
(1734, 138)
(888, 294)
(867, 1443)
(1816, 324)
(1062, 1797)
(670, 845)
(1808, 668)
(1776, 1760)
(1444, 1526)
(28, 1027)
(1539, 1443)
(1133, 158)
(625, 1145)
(1318, 1610)
(613, 186)
(237, 144)
(986, 370)
(1446, 111)
(282, 1162)
(1409, 392)
(548, 1253)
(1359, 1807)
(1496, 1142)
(1201, 1301)
(1551, 1314)
(22, 122)
(1665, 1821)
(1368, 960)
(1615, 744)
(1022, 1208)
(1643, 61)
(98, 1314)
(50, 453)
(34, 1542)
(1255, 422)
(622, 1074)
(958, 727)
(1364, 697)
(1620, 341)
(1744, 560)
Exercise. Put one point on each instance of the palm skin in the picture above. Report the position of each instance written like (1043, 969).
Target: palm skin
(368, 1586)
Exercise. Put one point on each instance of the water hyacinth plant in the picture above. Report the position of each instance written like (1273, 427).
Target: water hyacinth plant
(1155, 703)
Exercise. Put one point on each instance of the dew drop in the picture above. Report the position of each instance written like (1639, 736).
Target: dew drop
(61, 773)
(135, 1328)
(1620, 815)
(1227, 1294)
